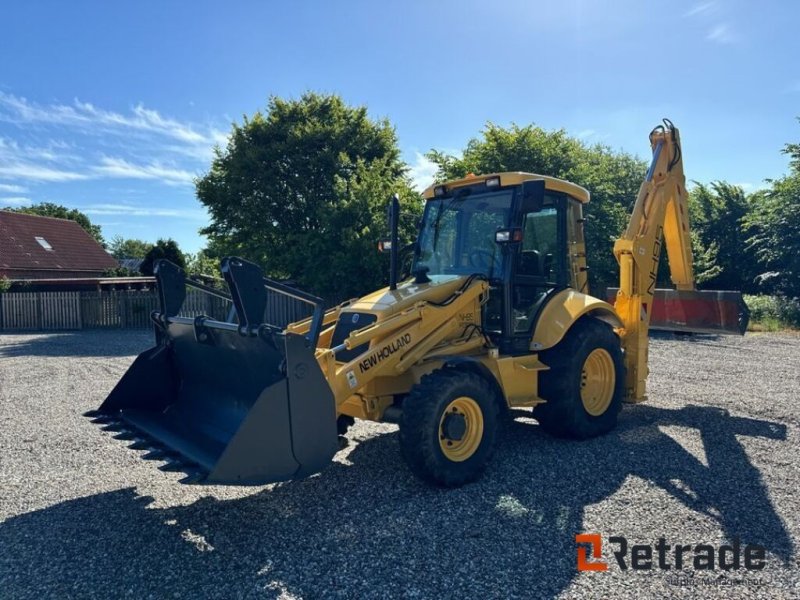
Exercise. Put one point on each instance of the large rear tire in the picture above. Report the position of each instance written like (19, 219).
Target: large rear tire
(585, 384)
(448, 427)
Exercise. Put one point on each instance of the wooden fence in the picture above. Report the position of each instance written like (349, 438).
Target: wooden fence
(123, 309)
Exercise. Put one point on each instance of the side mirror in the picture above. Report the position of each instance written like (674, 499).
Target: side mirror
(508, 236)
(532, 196)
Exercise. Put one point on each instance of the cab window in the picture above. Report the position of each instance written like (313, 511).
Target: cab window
(539, 243)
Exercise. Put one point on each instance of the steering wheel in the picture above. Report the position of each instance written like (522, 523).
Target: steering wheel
(482, 259)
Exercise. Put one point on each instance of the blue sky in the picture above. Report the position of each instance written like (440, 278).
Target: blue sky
(114, 107)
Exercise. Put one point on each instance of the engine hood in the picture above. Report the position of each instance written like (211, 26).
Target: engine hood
(387, 302)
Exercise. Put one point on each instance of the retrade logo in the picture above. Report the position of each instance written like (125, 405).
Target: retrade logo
(595, 546)
(664, 556)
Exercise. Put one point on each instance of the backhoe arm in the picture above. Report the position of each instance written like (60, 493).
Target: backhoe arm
(660, 212)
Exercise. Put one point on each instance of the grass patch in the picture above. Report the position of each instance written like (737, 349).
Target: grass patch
(773, 313)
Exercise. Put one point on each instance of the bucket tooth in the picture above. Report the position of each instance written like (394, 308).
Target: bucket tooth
(172, 464)
(125, 435)
(193, 477)
(102, 419)
(114, 427)
(94, 413)
(139, 443)
(155, 454)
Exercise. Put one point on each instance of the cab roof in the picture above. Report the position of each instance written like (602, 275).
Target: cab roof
(514, 178)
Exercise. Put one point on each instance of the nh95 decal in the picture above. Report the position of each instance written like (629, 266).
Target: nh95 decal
(656, 256)
(384, 352)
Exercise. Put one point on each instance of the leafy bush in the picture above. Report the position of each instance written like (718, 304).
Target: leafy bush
(167, 249)
(5, 284)
(120, 272)
(771, 313)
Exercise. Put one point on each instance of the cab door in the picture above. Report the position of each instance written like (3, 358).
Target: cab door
(539, 266)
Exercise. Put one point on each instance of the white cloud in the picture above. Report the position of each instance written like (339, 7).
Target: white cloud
(14, 189)
(15, 201)
(701, 8)
(175, 150)
(422, 171)
(112, 168)
(711, 13)
(121, 168)
(51, 151)
(88, 117)
(143, 211)
(585, 133)
(722, 33)
(35, 172)
(152, 120)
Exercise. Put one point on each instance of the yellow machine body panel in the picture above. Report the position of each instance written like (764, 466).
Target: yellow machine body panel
(559, 314)
(518, 377)
(387, 302)
(515, 178)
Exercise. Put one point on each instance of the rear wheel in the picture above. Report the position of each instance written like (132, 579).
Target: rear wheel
(585, 384)
(448, 427)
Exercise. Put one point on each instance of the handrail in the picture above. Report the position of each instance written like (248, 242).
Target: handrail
(319, 307)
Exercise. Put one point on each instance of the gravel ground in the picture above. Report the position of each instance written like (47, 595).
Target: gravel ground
(713, 455)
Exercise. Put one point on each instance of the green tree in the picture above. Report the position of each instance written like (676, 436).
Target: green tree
(774, 227)
(612, 177)
(717, 213)
(162, 249)
(121, 272)
(49, 209)
(128, 248)
(302, 190)
(203, 264)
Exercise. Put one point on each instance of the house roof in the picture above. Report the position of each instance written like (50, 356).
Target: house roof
(31, 242)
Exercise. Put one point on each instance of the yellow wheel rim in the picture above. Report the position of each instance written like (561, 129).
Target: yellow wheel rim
(459, 450)
(598, 380)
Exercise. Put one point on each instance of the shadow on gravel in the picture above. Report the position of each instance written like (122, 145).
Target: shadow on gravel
(100, 343)
(370, 529)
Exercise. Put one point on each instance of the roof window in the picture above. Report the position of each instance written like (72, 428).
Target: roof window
(44, 243)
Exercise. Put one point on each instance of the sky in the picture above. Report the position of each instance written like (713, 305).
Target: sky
(114, 108)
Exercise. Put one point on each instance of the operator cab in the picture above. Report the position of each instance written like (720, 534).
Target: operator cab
(521, 232)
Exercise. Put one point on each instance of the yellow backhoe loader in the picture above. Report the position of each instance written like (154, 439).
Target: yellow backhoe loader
(496, 315)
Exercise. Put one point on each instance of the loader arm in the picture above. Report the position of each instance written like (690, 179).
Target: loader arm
(660, 213)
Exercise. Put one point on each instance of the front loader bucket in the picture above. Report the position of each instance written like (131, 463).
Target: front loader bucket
(229, 403)
(697, 311)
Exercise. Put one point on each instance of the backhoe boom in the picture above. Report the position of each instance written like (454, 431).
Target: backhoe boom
(660, 213)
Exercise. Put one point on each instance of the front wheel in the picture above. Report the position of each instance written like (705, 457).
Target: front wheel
(448, 427)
